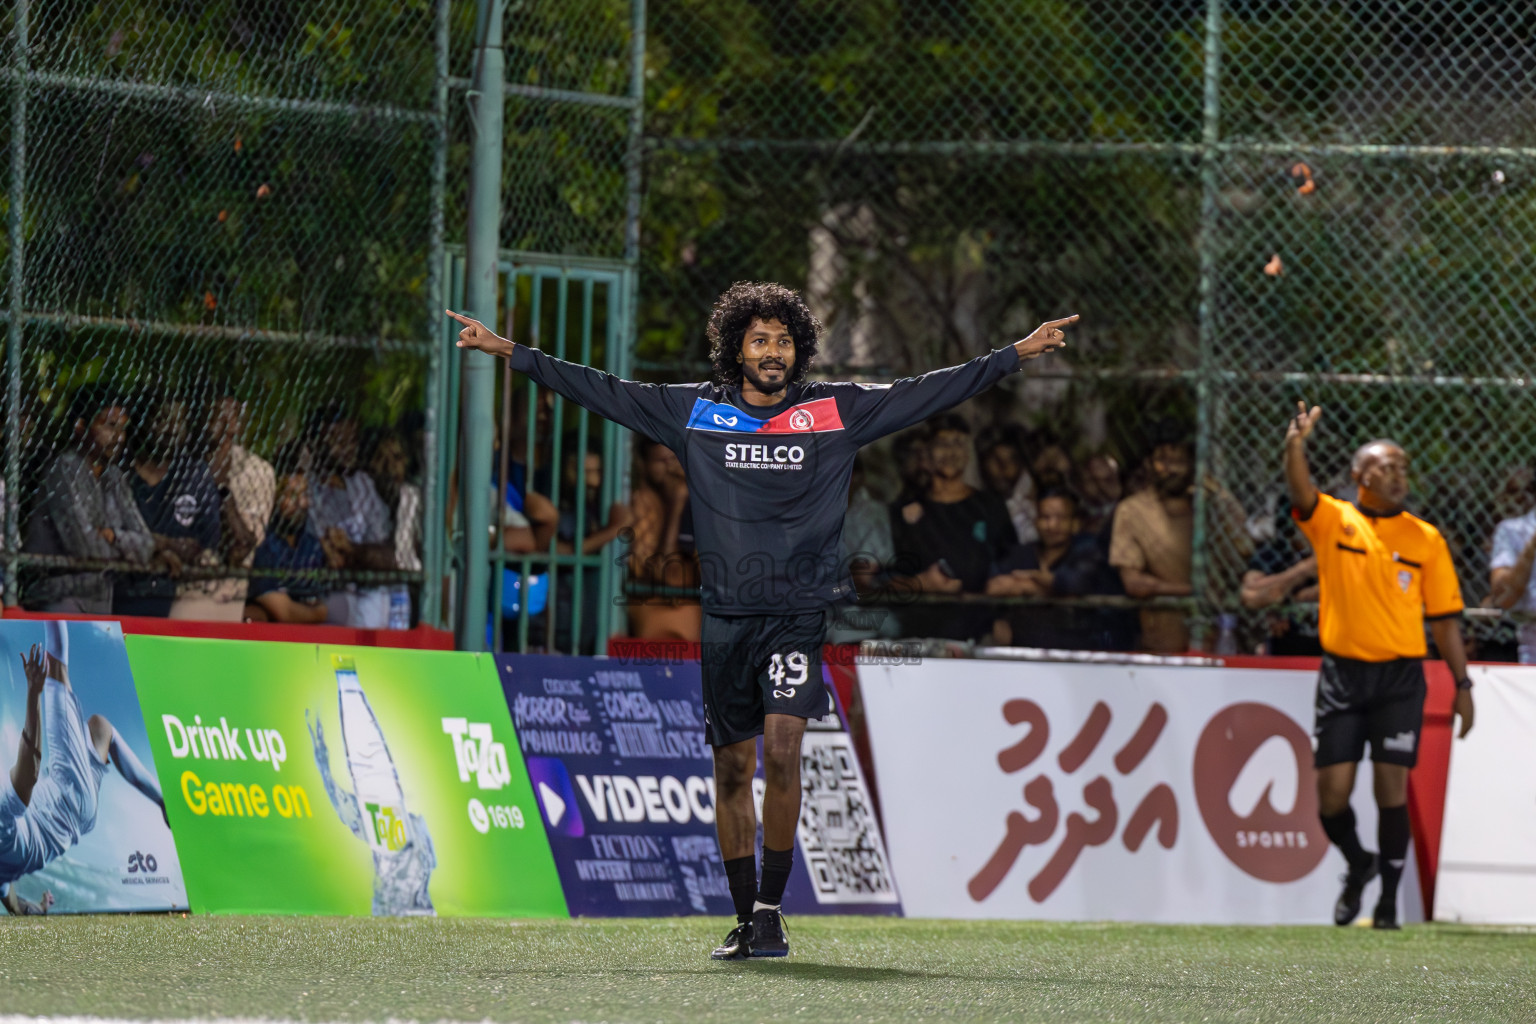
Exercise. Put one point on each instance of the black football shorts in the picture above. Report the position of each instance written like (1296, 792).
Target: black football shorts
(757, 665)
(1380, 701)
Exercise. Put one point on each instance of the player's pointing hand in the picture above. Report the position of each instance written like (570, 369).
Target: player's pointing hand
(478, 336)
(1302, 424)
(1048, 337)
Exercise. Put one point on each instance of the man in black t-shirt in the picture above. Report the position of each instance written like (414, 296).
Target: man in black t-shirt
(1064, 562)
(948, 541)
(1284, 570)
(179, 500)
(768, 456)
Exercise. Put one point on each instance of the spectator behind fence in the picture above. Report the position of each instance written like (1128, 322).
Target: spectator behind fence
(1150, 542)
(287, 544)
(910, 453)
(582, 474)
(662, 552)
(1000, 457)
(948, 541)
(1509, 569)
(86, 510)
(1064, 562)
(245, 484)
(390, 465)
(179, 502)
(1283, 569)
(349, 519)
(1051, 468)
(867, 551)
(1101, 485)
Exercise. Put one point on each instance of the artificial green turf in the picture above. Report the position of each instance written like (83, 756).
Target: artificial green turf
(851, 969)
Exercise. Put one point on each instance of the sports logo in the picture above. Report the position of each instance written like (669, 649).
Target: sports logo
(726, 421)
(801, 419)
(1254, 786)
(1404, 579)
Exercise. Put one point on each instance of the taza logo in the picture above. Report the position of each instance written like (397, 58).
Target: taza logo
(477, 753)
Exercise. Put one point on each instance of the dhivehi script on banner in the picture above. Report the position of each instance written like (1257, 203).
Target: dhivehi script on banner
(1105, 792)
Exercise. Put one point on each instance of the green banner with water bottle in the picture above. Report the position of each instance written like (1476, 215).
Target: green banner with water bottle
(333, 780)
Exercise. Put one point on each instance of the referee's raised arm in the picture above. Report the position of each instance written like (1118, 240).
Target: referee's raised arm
(1298, 475)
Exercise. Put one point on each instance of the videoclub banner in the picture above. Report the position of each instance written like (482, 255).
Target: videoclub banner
(1106, 792)
(319, 780)
(625, 780)
(82, 820)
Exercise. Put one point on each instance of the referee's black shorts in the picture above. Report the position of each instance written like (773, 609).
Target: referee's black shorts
(1380, 701)
(757, 665)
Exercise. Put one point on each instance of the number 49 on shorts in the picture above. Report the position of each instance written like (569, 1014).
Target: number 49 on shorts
(787, 671)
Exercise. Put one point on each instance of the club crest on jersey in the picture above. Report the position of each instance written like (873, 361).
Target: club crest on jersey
(817, 417)
(1404, 579)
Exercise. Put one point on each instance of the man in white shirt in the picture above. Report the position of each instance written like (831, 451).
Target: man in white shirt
(1513, 589)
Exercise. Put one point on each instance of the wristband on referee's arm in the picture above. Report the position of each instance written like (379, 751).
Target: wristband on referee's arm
(1464, 683)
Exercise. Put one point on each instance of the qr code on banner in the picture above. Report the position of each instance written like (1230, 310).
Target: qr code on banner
(839, 836)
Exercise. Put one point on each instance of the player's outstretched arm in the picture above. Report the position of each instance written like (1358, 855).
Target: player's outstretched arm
(659, 412)
(1048, 337)
(476, 335)
(875, 411)
(1298, 475)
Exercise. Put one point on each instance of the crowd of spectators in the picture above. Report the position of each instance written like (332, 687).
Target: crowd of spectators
(1003, 536)
(155, 498)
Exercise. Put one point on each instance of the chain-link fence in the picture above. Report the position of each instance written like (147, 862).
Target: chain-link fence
(1249, 203)
(225, 227)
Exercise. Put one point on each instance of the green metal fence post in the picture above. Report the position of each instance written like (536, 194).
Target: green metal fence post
(433, 492)
(1206, 384)
(18, 298)
(481, 274)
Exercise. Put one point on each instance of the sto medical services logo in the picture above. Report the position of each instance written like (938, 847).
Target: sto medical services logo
(1253, 783)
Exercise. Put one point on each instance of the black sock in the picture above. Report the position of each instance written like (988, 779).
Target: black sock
(1392, 834)
(776, 865)
(1341, 833)
(741, 875)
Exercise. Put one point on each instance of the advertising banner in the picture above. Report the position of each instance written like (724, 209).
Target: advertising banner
(1488, 846)
(625, 781)
(334, 780)
(82, 814)
(1106, 792)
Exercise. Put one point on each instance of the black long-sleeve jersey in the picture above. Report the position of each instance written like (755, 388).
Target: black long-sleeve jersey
(769, 484)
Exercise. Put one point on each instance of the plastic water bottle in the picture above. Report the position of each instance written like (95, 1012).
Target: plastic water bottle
(1226, 639)
(399, 607)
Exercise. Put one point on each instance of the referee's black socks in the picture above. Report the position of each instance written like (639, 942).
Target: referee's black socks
(741, 876)
(1392, 833)
(1341, 833)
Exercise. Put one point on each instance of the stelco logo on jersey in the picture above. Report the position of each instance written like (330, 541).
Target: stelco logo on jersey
(764, 456)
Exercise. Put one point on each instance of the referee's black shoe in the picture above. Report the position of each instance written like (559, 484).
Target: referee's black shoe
(737, 944)
(1348, 908)
(1385, 917)
(768, 937)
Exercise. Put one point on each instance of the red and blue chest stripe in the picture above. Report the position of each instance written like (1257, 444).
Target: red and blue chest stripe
(806, 418)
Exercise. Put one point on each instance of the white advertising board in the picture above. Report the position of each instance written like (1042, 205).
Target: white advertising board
(1488, 844)
(1106, 792)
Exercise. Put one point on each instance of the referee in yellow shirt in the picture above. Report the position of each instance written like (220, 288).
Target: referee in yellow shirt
(1382, 573)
